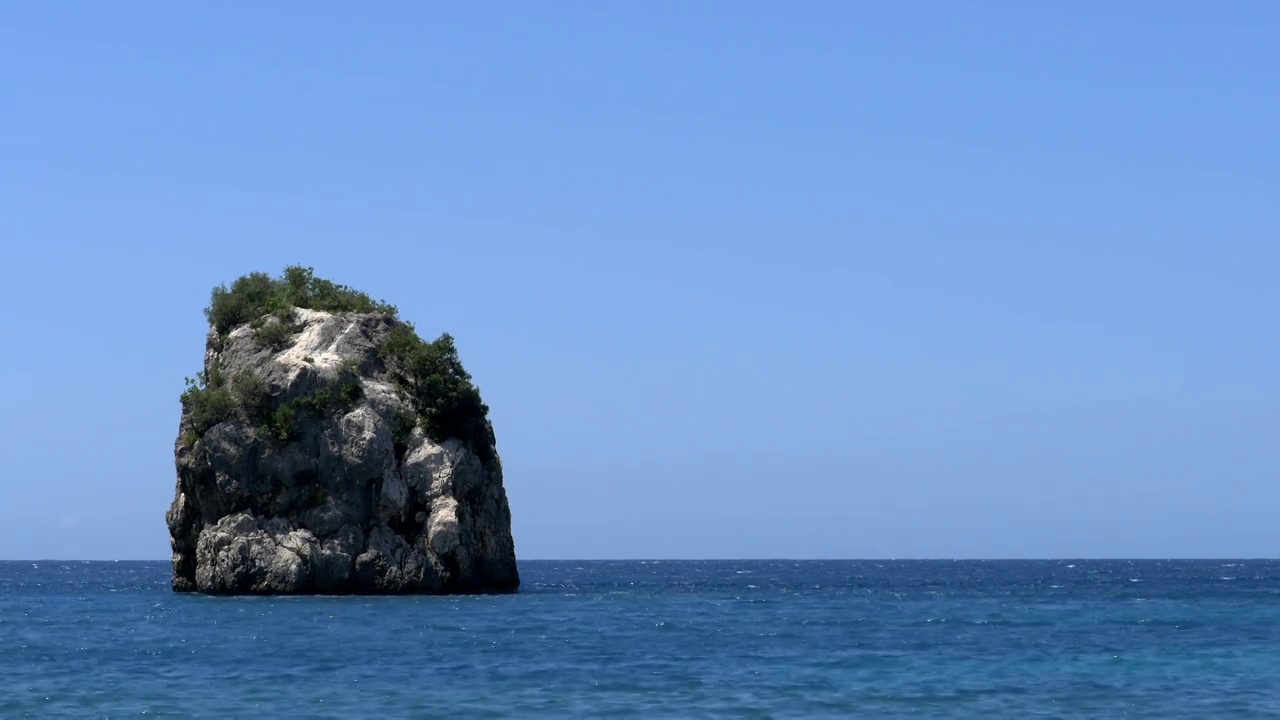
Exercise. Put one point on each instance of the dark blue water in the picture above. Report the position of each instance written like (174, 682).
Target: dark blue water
(660, 639)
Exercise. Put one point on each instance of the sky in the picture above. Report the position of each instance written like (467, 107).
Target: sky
(736, 279)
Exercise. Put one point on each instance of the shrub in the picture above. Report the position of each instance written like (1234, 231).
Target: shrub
(282, 424)
(273, 334)
(212, 399)
(207, 400)
(251, 394)
(341, 393)
(440, 387)
(300, 287)
(245, 300)
(252, 296)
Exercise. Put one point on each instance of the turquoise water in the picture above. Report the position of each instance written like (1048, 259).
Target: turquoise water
(1177, 639)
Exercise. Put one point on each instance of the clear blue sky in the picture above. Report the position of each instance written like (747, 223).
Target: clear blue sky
(738, 279)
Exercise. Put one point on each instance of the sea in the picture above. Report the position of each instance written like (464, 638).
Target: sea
(656, 639)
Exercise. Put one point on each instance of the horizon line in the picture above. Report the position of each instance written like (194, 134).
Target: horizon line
(1063, 558)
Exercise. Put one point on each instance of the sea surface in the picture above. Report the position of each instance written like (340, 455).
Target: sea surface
(748, 639)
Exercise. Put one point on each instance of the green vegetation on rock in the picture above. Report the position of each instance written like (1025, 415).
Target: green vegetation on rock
(446, 402)
(282, 422)
(441, 389)
(207, 401)
(211, 398)
(255, 295)
(274, 330)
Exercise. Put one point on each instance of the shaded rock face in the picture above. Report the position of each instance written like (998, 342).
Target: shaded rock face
(352, 501)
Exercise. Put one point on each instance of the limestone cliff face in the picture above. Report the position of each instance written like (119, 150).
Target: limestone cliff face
(318, 477)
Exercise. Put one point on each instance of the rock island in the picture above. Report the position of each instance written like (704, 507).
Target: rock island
(326, 448)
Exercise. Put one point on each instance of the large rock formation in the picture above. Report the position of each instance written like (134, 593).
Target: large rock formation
(305, 465)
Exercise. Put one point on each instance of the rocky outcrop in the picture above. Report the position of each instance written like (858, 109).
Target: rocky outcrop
(304, 466)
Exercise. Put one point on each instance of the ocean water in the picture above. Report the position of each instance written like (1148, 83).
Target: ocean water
(749, 639)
